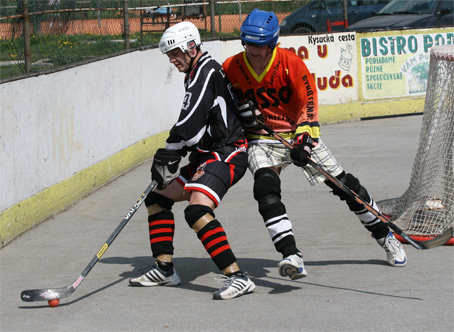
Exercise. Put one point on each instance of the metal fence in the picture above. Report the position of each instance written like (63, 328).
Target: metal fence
(37, 35)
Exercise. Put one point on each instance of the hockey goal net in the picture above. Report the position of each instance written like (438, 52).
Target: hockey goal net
(426, 209)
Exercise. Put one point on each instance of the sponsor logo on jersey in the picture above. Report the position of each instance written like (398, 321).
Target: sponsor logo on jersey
(243, 71)
(274, 73)
(267, 97)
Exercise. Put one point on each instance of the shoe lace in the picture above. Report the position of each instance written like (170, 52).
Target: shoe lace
(298, 259)
(223, 280)
(392, 245)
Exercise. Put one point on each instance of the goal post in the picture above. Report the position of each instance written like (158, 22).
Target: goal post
(426, 209)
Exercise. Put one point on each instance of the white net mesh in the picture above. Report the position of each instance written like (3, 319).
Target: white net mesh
(426, 208)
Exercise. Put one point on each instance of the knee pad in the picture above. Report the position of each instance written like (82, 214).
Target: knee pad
(351, 182)
(194, 212)
(162, 201)
(267, 189)
(266, 183)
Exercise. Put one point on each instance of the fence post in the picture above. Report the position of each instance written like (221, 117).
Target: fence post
(213, 23)
(27, 50)
(220, 18)
(345, 14)
(99, 15)
(126, 23)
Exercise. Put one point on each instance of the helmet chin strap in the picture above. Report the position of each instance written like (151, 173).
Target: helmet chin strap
(192, 60)
(190, 66)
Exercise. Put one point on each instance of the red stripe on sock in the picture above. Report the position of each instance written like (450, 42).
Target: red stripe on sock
(218, 251)
(215, 241)
(161, 239)
(209, 233)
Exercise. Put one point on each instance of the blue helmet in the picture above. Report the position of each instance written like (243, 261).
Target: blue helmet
(260, 28)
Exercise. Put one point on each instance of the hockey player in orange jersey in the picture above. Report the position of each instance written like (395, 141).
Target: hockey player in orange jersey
(275, 84)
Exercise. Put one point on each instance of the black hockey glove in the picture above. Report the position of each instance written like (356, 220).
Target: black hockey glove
(302, 149)
(165, 167)
(249, 113)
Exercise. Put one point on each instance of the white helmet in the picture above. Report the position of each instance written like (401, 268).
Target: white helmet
(179, 35)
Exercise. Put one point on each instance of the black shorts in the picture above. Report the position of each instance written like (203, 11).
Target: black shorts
(211, 177)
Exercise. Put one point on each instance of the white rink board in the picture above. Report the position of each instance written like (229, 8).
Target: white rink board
(53, 126)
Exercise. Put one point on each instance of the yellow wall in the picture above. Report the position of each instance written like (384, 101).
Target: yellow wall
(31, 211)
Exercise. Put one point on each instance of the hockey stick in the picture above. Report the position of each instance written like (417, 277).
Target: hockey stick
(438, 241)
(47, 294)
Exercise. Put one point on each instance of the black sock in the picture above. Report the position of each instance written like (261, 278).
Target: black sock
(165, 266)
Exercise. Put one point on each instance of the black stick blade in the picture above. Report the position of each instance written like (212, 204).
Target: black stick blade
(33, 295)
(438, 241)
(46, 294)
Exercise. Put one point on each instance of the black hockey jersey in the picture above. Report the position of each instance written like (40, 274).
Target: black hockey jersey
(208, 121)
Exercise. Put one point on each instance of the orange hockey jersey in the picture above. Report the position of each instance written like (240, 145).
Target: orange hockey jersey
(285, 92)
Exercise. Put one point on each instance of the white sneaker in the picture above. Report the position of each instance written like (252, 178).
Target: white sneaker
(233, 286)
(292, 266)
(156, 277)
(394, 250)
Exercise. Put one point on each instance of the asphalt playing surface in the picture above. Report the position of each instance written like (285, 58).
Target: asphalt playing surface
(349, 286)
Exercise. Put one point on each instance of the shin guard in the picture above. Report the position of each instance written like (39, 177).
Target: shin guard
(267, 192)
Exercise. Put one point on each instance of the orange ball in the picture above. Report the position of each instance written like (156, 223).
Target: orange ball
(54, 303)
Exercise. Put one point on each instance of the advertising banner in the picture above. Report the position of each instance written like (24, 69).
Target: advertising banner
(396, 64)
(332, 60)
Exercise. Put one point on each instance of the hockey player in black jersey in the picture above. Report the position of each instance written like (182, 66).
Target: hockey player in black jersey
(209, 129)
